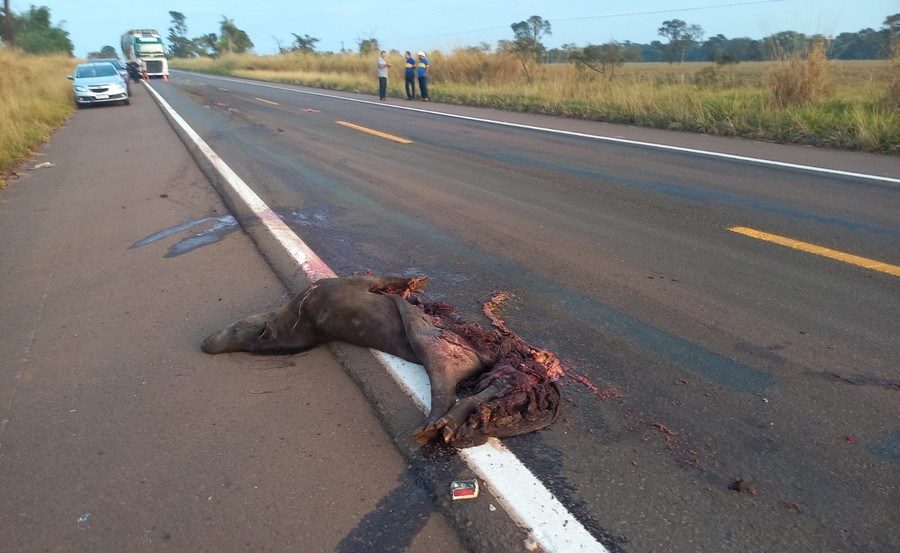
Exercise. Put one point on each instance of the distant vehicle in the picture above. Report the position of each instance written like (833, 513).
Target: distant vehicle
(119, 66)
(98, 83)
(145, 47)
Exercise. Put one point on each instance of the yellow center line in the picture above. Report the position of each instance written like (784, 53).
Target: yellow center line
(819, 250)
(267, 101)
(376, 133)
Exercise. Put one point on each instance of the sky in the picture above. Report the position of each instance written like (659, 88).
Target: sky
(448, 24)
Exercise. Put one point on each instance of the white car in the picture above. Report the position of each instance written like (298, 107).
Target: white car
(119, 65)
(98, 83)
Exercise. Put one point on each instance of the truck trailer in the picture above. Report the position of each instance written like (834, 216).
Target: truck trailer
(145, 48)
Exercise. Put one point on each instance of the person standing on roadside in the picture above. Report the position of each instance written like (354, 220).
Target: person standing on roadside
(382, 76)
(410, 76)
(423, 76)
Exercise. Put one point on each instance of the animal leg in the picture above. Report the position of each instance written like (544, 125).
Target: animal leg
(457, 415)
(516, 406)
(447, 359)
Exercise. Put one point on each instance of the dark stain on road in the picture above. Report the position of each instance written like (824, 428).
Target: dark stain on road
(888, 448)
(219, 228)
(859, 379)
(401, 515)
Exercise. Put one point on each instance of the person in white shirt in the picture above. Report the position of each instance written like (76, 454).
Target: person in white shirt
(382, 76)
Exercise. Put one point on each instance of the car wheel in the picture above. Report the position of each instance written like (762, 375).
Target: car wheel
(126, 102)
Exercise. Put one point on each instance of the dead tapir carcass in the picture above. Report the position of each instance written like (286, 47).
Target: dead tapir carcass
(506, 387)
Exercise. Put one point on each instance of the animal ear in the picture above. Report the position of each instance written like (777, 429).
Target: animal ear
(268, 332)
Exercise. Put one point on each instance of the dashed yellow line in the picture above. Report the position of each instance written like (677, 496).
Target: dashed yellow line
(819, 250)
(267, 101)
(399, 139)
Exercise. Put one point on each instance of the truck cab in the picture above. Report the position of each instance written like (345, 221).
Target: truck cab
(145, 47)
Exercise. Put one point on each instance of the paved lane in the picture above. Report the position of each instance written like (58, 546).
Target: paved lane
(720, 357)
(116, 432)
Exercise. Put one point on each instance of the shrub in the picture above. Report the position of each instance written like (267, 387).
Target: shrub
(893, 92)
(472, 67)
(798, 81)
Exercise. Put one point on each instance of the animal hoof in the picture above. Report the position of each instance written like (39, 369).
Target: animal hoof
(424, 435)
(430, 431)
(448, 434)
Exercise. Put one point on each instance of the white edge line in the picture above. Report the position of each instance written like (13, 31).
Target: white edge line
(522, 495)
(680, 149)
(526, 499)
(411, 376)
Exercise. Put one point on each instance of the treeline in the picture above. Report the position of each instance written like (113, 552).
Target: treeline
(685, 44)
(33, 32)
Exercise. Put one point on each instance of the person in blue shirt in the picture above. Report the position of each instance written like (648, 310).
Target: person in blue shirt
(423, 76)
(410, 77)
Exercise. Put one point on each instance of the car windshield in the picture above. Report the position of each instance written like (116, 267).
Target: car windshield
(98, 70)
(154, 48)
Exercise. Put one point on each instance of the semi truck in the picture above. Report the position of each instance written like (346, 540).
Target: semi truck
(144, 47)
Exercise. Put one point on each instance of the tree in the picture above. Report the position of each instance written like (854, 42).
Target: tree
(715, 48)
(208, 44)
(180, 46)
(562, 54)
(527, 45)
(528, 35)
(232, 40)
(891, 30)
(483, 47)
(785, 44)
(7, 25)
(368, 45)
(35, 35)
(747, 49)
(863, 45)
(603, 59)
(105, 52)
(681, 37)
(304, 43)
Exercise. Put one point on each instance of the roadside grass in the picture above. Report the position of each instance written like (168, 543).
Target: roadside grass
(35, 99)
(804, 99)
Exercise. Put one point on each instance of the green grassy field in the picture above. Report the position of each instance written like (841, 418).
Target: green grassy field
(849, 105)
(35, 99)
(852, 105)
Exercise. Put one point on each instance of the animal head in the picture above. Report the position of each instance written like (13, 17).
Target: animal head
(274, 332)
(255, 333)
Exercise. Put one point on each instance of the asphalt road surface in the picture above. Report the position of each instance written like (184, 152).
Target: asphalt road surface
(117, 434)
(724, 392)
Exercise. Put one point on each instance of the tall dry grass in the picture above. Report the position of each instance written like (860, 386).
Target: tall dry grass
(801, 78)
(35, 99)
(830, 103)
(893, 93)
